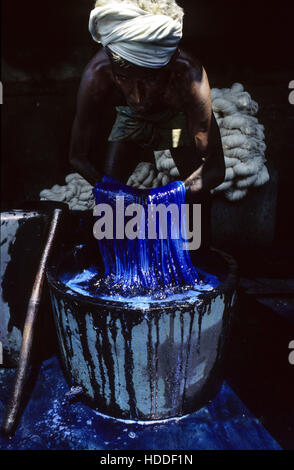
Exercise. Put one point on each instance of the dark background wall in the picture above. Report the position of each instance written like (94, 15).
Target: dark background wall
(46, 45)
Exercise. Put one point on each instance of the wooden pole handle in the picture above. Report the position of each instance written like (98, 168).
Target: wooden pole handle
(28, 331)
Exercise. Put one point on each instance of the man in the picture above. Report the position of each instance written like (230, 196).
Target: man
(159, 92)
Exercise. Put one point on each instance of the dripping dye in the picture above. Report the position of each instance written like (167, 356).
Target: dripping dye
(140, 268)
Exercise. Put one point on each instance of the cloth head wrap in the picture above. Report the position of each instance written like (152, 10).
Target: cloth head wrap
(135, 35)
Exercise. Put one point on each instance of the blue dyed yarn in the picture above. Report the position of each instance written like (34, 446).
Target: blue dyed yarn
(145, 266)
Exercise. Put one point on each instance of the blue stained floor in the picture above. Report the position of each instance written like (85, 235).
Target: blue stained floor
(224, 424)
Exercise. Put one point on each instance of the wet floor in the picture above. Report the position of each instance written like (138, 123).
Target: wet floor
(225, 423)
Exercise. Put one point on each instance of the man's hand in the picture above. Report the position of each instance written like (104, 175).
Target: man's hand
(208, 162)
(195, 181)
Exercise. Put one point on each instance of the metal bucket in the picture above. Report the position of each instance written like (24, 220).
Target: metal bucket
(140, 364)
(23, 233)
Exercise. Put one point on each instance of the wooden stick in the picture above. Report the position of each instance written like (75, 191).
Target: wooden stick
(28, 331)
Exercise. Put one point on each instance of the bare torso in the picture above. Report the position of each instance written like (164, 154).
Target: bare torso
(184, 87)
(177, 93)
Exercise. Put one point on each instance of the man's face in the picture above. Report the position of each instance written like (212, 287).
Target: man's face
(142, 87)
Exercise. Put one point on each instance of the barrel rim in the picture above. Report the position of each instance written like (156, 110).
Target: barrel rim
(227, 286)
(39, 206)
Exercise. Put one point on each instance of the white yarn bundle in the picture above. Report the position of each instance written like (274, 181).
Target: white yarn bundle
(242, 140)
(77, 193)
(243, 144)
(148, 175)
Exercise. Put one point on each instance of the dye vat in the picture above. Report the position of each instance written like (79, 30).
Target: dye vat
(142, 327)
(143, 360)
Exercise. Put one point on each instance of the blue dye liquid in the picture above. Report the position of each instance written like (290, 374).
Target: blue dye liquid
(144, 268)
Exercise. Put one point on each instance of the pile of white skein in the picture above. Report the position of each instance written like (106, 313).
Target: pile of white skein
(77, 193)
(242, 140)
(244, 151)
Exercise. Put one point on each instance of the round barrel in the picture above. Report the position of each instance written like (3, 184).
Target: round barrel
(138, 362)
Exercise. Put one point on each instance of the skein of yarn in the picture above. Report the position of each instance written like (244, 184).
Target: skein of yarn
(77, 193)
(244, 152)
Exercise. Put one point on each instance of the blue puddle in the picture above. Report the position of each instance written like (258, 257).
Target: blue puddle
(223, 424)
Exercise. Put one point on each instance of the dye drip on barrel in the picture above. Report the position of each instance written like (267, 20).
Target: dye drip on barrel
(149, 265)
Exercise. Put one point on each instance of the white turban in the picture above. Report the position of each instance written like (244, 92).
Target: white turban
(135, 35)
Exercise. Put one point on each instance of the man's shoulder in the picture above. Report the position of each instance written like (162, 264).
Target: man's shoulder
(97, 77)
(189, 65)
(191, 81)
(95, 87)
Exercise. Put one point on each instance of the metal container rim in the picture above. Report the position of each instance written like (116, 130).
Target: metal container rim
(228, 285)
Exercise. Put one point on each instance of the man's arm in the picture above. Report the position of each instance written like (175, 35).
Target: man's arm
(208, 152)
(84, 143)
(79, 153)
